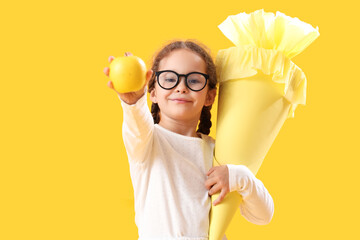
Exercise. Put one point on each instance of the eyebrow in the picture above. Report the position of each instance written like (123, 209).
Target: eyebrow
(181, 73)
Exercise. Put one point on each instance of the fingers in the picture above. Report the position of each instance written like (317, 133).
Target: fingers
(220, 198)
(214, 189)
(106, 71)
(149, 73)
(148, 76)
(111, 58)
(110, 84)
(210, 182)
(210, 171)
(218, 182)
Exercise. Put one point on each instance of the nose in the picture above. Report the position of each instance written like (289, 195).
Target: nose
(181, 87)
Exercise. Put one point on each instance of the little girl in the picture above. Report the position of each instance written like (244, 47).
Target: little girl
(170, 153)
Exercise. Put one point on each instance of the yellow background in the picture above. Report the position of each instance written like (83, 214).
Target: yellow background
(64, 172)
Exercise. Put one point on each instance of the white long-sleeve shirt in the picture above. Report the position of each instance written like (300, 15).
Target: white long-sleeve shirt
(168, 173)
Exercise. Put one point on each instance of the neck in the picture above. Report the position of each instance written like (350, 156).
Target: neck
(186, 128)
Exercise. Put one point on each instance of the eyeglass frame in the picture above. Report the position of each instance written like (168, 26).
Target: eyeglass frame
(178, 79)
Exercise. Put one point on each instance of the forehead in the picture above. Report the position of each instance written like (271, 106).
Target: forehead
(183, 61)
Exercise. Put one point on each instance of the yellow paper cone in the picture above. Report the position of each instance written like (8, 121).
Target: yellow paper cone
(260, 87)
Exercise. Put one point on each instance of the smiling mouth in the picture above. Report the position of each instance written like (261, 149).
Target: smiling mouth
(180, 100)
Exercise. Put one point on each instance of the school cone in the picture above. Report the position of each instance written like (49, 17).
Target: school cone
(260, 87)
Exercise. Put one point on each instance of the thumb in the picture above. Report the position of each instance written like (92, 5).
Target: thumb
(143, 90)
(110, 84)
(111, 58)
(148, 76)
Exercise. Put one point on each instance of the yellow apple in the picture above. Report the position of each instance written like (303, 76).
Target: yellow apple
(128, 73)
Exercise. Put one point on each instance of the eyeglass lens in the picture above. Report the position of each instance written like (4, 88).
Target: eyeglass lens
(195, 81)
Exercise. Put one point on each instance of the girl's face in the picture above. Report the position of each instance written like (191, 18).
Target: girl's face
(181, 103)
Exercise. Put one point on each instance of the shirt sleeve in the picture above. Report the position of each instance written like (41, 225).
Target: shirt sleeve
(257, 206)
(137, 129)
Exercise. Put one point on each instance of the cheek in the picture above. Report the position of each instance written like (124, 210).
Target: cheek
(162, 95)
(156, 94)
(203, 98)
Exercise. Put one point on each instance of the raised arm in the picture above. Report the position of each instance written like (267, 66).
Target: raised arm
(138, 124)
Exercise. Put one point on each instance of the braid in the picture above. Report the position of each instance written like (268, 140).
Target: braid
(155, 112)
(205, 121)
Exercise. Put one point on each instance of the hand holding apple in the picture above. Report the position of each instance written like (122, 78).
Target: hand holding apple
(128, 77)
(128, 73)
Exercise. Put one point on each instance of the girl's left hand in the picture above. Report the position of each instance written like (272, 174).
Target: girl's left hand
(218, 180)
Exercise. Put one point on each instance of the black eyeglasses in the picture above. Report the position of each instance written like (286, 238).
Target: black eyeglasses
(169, 79)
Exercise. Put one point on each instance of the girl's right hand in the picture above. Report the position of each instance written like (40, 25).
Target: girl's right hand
(130, 97)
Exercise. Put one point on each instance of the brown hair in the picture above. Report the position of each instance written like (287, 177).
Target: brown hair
(203, 52)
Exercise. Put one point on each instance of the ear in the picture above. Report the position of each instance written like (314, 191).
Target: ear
(210, 97)
(153, 96)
